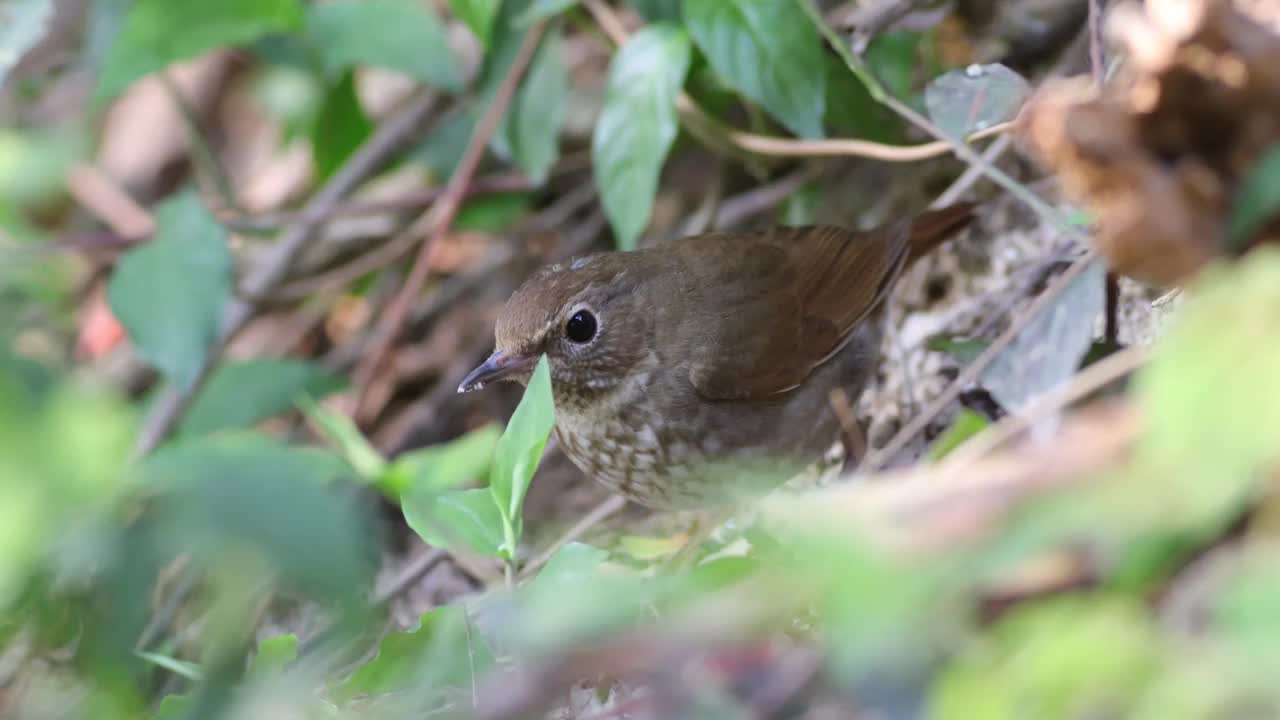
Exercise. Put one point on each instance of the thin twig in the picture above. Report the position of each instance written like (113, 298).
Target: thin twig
(389, 138)
(436, 222)
(202, 151)
(597, 515)
(971, 373)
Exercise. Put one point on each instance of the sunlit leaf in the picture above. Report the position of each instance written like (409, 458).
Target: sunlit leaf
(637, 126)
(343, 435)
(169, 293)
(975, 98)
(242, 393)
(157, 33)
(769, 51)
(520, 447)
(400, 35)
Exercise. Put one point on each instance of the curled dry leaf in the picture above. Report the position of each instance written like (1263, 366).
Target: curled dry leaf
(1161, 154)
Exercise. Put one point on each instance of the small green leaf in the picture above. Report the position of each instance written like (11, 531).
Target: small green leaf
(188, 670)
(447, 466)
(479, 15)
(274, 654)
(157, 33)
(770, 52)
(962, 350)
(400, 35)
(637, 126)
(493, 213)
(543, 9)
(467, 518)
(22, 24)
(169, 293)
(530, 129)
(441, 651)
(975, 98)
(341, 127)
(967, 424)
(520, 447)
(1257, 202)
(241, 394)
(346, 438)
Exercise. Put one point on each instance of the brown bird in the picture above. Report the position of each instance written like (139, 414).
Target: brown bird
(697, 371)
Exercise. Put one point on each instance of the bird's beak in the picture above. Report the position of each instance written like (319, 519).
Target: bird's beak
(499, 366)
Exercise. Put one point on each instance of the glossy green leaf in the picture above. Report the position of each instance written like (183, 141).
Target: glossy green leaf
(520, 447)
(446, 466)
(157, 33)
(242, 393)
(462, 518)
(1258, 200)
(169, 293)
(400, 35)
(637, 126)
(442, 650)
(22, 24)
(770, 52)
(343, 435)
(530, 130)
(975, 98)
(341, 127)
(479, 15)
(543, 9)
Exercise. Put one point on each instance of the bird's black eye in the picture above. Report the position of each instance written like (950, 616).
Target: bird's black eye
(581, 328)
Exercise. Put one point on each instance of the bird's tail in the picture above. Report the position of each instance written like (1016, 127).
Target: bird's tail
(930, 229)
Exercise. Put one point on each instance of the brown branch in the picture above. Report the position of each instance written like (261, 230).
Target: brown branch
(436, 222)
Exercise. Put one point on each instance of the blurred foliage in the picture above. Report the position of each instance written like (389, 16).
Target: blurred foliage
(154, 586)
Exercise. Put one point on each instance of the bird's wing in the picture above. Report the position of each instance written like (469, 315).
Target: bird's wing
(775, 305)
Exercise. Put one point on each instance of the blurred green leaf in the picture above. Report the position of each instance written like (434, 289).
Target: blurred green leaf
(341, 127)
(493, 213)
(655, 11)
(801, 207)
(479, 15)
(170, 292)
(462, 517)
(520, 447)
(851, 110)
(1257, 202)
(446, 466)
(34, 164)
(274, 653)
(893, 58)
(770, 52)
(975, 98)
(440, 651)
(1068, 658)
(400, 35)
(967, 424)
(1211, 396)
(291, 94)
(22, 24)
(224, 495)
(637, 126)
(243, 393)
(530, 130)
(443, 148)
(157, 33)
(963, 350)
(346, 438)
(543, 9)
(182, 668)
(172, 707)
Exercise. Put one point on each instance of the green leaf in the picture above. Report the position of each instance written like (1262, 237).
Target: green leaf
(341, 127)
(182, 668)
(169, 293)
(274, 654)
(893, 57)
(479, 15)
(447, 466)
(1257, 202)
(769, 51)
(346, 438)
(520, 447)
(467, 518)
(241, 394)
(400, 35)
(493, 213)
(225, 494)
(530, 129)
(543, 9)
(962, 350)
(637, 126)
(967, 424)
(157, 33)
(656, 11)
(442, 150)
(441, 651)
(851, 110)
(22, 24)
(975, 98)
